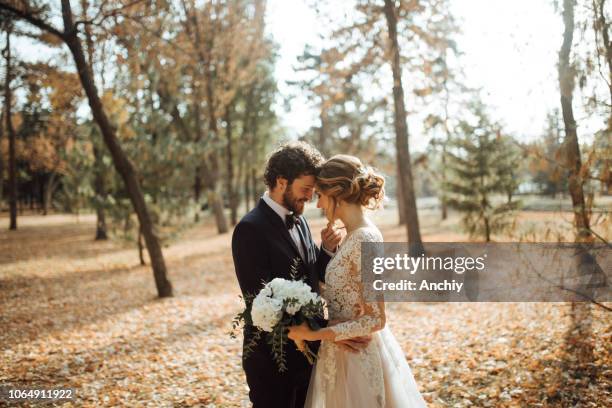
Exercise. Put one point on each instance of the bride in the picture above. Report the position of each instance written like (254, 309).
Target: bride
(377, 376)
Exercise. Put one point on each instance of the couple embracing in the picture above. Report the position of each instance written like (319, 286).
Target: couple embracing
(359, 362)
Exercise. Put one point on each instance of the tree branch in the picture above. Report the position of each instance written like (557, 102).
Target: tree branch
(111, 13)
(32, 19)
(562, 287)
(588, 176)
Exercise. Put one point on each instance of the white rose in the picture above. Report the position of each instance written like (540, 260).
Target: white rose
(280, 290)
(266, 312)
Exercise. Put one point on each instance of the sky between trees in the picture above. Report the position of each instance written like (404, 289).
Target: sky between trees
(510, 50)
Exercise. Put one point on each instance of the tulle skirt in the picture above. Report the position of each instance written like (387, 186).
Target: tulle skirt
(378, 376)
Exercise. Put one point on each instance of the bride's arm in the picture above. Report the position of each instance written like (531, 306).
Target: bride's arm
(370, 319)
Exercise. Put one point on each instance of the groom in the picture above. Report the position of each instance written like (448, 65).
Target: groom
(264, 244)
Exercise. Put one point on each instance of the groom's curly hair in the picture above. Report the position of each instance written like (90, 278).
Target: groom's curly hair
(292, 160)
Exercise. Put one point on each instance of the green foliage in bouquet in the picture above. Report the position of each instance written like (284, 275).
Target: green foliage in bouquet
(293, 304)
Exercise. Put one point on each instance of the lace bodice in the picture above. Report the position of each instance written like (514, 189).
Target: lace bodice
(344, 291)
(344, 295)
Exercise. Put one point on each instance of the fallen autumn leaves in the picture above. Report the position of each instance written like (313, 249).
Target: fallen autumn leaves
(78, 313)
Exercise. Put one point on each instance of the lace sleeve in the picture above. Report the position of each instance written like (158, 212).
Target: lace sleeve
(370, 316)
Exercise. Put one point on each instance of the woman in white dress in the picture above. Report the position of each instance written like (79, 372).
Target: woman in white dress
(377, 376)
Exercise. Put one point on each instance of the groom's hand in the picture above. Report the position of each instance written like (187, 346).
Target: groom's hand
(330, 237)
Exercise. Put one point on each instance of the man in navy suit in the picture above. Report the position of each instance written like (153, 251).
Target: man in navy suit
(264, 244)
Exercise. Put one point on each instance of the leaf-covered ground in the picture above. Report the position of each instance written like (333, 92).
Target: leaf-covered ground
(83, 314)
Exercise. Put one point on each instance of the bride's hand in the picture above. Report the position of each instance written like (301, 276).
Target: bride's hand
(301, 332)
(331, 237)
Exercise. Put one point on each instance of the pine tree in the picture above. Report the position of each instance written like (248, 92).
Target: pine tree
(481, 166)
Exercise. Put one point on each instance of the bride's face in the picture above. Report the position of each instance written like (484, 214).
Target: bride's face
(327, 204)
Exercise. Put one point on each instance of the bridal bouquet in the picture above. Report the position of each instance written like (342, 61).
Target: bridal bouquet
(279, 304)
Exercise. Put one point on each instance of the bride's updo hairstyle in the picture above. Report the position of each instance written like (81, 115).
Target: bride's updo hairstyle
(345, 178)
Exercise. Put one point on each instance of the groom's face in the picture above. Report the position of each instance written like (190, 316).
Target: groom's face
(297, 193)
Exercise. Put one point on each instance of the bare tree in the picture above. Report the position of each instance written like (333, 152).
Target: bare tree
(70, 36)
(572, 148)
(11, 132)
(98, 184)
(1, 158)
(580, 334)
(404, 170)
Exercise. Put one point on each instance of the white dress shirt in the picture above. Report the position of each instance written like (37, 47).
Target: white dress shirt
(293, 232)
(282, 212)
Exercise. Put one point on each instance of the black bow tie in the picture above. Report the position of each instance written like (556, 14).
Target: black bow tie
(291, 220)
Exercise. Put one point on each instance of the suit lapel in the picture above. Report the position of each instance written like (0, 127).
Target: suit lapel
(279, 226)
(308, 264)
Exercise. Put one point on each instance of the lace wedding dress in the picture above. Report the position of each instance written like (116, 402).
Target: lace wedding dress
(377, 376)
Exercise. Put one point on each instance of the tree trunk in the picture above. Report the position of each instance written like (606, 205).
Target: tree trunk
(444, 200)
(250, 152)
(49, 190)
(197, 183)
(575, 182)
(246, 149)
(238, 179)
(101, 234)
(229, 179)
(210, 173)
(214, 201)
(254, 186)
(11, 133)
(401, 135)
(120, 160)
(1, 158)
(100, 190)
(33, 192)
(572, 148)
(98, 182)
(197, 192)
(401, 203)
(140, 248)
(247, 191)
(207, 173)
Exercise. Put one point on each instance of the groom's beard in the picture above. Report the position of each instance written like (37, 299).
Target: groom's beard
(293, 204)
